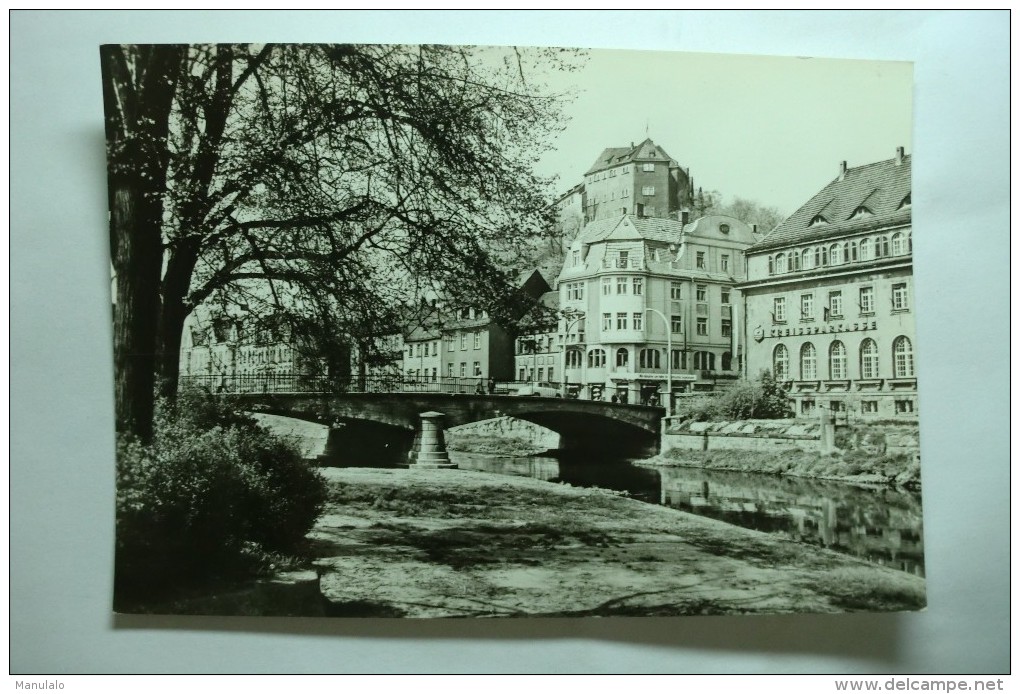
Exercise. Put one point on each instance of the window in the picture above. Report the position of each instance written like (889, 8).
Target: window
(834, 254)
(621, 321)
(865, 249)
(576, 257)
(622, 355)
(794, 261)
(780, 263)
(676, 324)
(699, 261)
(869, 359)
(607, 286)
(724, 263)
(477, 369)
(836, 304)
(541, 373)
(521, 375)
(702, 292)
(607, 321)
(837, 361)
(903, 357)
(808, 362)
(621, 285)
(724, 294)
(900, 300)
(837, 406)
(772, 265)
(638, 321)
(869, 406)
(703, 326)
(807, 406)
(674, 290)
(638, 286)
(704, 361)
(867, 299)
(779, 309)
(551, 376)
(463, 340)
(575, 291)
(463, 368)
(621, 260)
(434, 373)
(881, 247)
(727, 361)
(904, 406)
(648, 166)
(805, 259)
(648, 190)
(807, 306)
(727, 328)
(677, 360)
(596, 358)
(649, 359)
(450, 345)
(625, 193)
(781, 363)
(478, 340)
(574, 359)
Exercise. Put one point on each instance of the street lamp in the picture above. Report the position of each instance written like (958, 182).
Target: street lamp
(669, 359)
(573, 317)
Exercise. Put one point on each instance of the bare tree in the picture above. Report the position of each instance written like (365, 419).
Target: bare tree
(349, 174)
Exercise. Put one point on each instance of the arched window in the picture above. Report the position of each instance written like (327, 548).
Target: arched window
(837, 361)
(780, 263)
(678, 359)
(903, 357)
(805, 259)
(727, 361)
(898, 244)
(834, 254)
(649, 359)
(622, 356)
(869, 359)
(846, 252)
(772, 265)
(781, 363)
(596, 358)
(704, 361)
(808, 362)
(865, 249)
(881, 247)
(574, 357)
(794, 261)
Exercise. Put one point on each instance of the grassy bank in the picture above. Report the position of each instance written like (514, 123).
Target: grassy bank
(854, 466)
(507, 447)
(420, 543)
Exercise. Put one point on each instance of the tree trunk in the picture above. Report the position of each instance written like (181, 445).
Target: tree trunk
(175, 310)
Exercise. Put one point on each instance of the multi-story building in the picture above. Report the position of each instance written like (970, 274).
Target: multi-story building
(645, 301)
(538, 351)
(829, 296)
(642, 180)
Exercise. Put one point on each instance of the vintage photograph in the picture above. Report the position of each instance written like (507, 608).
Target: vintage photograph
(475, 331)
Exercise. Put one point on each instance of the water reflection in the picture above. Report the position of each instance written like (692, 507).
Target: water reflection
(881, 525)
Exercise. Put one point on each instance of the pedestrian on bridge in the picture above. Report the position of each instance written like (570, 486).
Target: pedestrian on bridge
(492, 385)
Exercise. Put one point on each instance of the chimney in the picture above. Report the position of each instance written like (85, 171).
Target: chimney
(754, 228)
(842, 171)
(640, 209)
(899, 156)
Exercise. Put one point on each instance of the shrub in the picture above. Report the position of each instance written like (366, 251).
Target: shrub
(208, 498)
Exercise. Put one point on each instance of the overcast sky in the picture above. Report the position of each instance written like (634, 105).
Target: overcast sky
(766, 128)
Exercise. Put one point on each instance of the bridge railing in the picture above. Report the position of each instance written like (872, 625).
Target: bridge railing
(304, 383)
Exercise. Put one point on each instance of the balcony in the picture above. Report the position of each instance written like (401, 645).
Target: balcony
(623, 264)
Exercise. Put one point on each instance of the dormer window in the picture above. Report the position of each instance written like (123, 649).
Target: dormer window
(905, 202)
(860, 212)
(818, 220)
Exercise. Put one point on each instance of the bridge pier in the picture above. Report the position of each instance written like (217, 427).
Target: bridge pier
(429, 449)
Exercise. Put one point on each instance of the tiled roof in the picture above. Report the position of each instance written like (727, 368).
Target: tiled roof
(614, 156)
(880, 187)
(650, 228)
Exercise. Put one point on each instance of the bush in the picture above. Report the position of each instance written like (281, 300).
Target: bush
(211, 497)
(761, 399)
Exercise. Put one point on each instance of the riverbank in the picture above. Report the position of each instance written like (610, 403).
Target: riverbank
(426, 543)
(853, 467)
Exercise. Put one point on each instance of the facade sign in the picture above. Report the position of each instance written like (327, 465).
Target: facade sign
(823, 330)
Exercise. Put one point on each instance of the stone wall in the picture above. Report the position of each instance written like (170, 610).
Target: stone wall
(309, 437)
(749, 435)
(508, 428)
(886, 438)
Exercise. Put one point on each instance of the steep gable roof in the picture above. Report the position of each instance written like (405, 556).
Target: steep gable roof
(615, 156)
(880, 187)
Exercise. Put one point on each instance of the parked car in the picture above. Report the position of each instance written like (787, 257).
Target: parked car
(539, 390)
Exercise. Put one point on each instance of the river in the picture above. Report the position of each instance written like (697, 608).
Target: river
(882, 525)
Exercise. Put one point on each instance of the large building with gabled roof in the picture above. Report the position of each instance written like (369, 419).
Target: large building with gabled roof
(642, 180)
(829, 297)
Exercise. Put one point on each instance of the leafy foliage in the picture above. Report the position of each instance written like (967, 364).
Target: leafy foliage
(761, 399)
(210, 498)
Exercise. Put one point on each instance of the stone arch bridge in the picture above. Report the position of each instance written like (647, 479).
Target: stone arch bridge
(581, 424)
